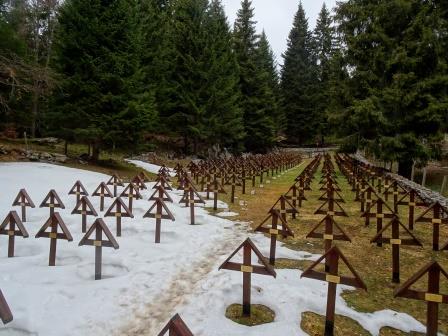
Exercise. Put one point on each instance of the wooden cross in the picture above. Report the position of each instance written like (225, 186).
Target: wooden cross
(332, 231)
(139, 182)
(247, 268)
(190, 198)
(366, 195)
(395, 189)
(115, 181)
(294, 195)
(84, 208)
(121, 210)
(285, 208)
(216, 188)
(8, 227)
(331, 207)
(23, 200)
(396, 241)
(432, 296)
(163, 181)
(52, 201)
(144, 177)
(274, 231)
(131, 192)
(102, 191)
(436, 219)
(78, 190)
(333, 278)
(161, 211)
(331, 192)
(414, 201)
(176, 327)
(5, 312)
(164, 170)
(382, 211)
(161, 193)
(233, 180)
(54, 222)
(99, 227)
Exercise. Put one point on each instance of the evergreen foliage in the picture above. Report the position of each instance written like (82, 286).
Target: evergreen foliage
(299, 79)
(257, 95)
(102, 100)
(398, 80)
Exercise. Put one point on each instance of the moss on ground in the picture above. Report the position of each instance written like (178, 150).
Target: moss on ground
(259, 315)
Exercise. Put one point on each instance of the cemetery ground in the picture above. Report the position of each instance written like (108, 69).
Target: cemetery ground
(146, 284)
(373, 264)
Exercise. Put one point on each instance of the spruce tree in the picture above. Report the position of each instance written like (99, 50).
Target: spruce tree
(158, 55)
(225, 115)
(266, 62)
(254, 82)
(324, 49)
(398, 67)
(298, 82)
(102, 100)
(190, 72)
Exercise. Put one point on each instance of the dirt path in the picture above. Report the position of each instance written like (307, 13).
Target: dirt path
(151, 319)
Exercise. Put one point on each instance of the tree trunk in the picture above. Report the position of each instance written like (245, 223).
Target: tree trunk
(405, 168)
(34, 109)
(195, 146)
(95, 152)
(66, 147)
(185, 145)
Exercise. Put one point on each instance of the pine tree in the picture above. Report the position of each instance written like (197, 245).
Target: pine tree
(266, 62)
(225, 115)
(298, 82)
(256, 92)
(190, 73)
(398, 70)
(324, 48)
(102, 100)
(158, 55)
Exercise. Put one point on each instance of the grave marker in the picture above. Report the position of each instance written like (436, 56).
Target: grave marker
(8, 227)
(98, 227)
(54, 222)
(176, 327)
(432, 296)
(78, 190)
(161, 212)
(52, 201)
(333, 278)
(190, 198)
(23, 200)
(102, 191)
(115, 181)
(84, 208)
(247, 268)
(131, 192)
(121, 210)
(5, 312)
(436, 219)
(274, 231)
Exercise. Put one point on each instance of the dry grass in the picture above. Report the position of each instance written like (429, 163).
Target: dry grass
(314, 325)
(373, 264)
(259, 314)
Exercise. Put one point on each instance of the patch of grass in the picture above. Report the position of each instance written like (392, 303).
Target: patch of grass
(388, 331)
(259, 315)
(314, 325)
(283, 263)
